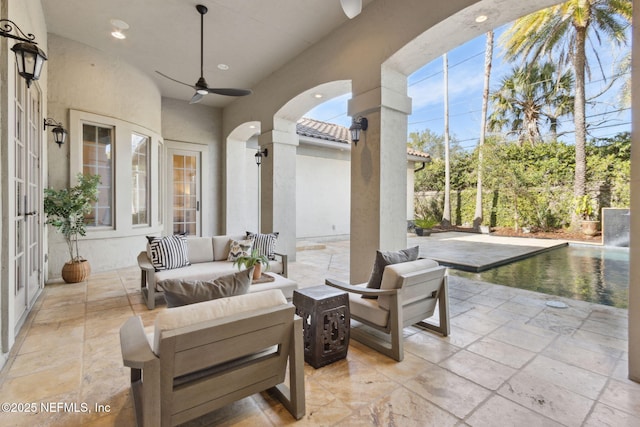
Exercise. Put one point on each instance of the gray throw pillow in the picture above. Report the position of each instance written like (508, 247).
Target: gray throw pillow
(179, 292)
(387, 258)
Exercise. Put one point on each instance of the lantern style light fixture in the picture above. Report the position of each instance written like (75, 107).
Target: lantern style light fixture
(358, 124)
(29, 57)
(59, 133)
(259, 155)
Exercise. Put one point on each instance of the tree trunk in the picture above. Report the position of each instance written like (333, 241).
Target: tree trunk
(446, 211)
(488, 57)
(579, 56)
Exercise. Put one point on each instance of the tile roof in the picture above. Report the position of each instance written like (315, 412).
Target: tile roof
(313, 128)
(322, 130)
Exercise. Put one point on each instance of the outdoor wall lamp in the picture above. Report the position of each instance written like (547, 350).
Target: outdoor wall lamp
(29, 57)
(59, 133)
(358, 124)
(259, 155)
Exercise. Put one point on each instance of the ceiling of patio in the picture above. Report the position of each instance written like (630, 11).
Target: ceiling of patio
(253, 37)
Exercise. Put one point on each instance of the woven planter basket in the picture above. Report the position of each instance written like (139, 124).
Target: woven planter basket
(74, 272)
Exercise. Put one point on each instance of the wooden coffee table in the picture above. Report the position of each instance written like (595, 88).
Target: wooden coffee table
(325, 322)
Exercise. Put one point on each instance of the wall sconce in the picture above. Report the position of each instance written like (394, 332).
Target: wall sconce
(259, 155)
(358, 124)
(29, 57)
(59, 133)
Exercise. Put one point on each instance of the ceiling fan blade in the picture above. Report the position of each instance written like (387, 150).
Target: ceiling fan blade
(196, 98)
(230, 92)
(177, 81)
(351, 8)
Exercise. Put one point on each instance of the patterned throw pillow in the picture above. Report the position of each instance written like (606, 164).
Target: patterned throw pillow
(238, 248)
(168, 252)
(265, 244)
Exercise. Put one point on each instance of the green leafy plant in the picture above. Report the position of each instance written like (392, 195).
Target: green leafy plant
(584, 208)
(248, 261)
(66, 208)
(426, 223)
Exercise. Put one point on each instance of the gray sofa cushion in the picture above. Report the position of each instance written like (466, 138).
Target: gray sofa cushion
(179, 292)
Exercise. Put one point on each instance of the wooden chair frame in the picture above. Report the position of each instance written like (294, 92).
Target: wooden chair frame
(413, 301)
(206, 366)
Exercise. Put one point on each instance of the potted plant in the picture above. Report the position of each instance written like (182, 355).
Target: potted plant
(65, 210)
(424, 226)
(254, 260)
(584, 210)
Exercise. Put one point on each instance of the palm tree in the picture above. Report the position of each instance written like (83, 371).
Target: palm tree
(565, 29)
(446, 210)
(530, 94)
(488, 58)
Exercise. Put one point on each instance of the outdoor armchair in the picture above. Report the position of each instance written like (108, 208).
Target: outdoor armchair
(407, 296)
(206, 355)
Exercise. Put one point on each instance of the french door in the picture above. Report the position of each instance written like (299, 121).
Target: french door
(184, 188)
(27, 226)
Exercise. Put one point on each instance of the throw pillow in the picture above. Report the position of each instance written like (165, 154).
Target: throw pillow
(168, 252)
(387, 258)
(183, 292)
(265, 244)
(238, 248)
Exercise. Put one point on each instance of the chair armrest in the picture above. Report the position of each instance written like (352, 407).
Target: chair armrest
(285, 263)
(143, 261)
(136, 352)
(359, 289)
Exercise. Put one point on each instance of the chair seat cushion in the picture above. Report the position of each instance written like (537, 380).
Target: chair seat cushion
(367, 309)
(180, 317)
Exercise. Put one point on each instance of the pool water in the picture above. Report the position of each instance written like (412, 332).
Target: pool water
(588, 273)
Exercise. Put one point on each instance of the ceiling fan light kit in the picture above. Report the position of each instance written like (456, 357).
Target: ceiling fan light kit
(201, 87)
(351, 8)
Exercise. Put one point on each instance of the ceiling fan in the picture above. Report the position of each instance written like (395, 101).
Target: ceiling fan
(201, 87)
(351, 8)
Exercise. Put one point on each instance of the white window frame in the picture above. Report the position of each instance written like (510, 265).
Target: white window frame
(122, 221)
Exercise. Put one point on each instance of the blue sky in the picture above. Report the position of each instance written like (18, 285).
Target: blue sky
(466, 74)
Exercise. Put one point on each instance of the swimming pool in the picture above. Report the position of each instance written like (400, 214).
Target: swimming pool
(588, 273)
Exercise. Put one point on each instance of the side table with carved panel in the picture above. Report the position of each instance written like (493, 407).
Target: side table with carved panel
(325, 321)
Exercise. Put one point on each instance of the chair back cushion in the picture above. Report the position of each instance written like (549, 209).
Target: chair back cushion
(388, 258)
(394, 276)
(188, 315)
(200, 249)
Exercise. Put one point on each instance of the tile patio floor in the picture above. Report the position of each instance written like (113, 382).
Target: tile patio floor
(510, 360)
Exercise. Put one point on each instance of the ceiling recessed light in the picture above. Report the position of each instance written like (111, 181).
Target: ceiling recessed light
(223, 67)
(318, 95)
(118, 28)
(481, 18)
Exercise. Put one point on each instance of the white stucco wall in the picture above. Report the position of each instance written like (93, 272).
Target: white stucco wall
(323, 183)
(85, 79)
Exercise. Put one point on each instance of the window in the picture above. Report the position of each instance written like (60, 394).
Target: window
(139, 179)
(97, 152)
(127, 157)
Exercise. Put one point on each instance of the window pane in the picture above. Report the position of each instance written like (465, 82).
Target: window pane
(139, 179)
(97, 143)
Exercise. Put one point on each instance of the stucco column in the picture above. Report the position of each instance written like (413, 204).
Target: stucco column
(236, 216)
(634, 249)
(278, 187)
(379, 173)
